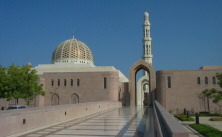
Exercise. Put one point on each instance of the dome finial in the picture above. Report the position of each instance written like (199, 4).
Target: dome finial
(73, 34)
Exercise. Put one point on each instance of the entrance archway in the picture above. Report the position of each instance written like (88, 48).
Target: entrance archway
(142, 91)
(141, 64)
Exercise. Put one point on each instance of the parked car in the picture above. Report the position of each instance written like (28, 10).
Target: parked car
(16, 107)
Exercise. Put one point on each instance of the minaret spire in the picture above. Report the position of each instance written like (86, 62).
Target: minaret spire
(147, 55)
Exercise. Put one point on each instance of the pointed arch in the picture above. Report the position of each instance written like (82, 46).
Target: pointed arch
(213, 80)
(206, 80)
(55, 99)
(52, 82)
(137, 66)
(74, 98)
(142, 90)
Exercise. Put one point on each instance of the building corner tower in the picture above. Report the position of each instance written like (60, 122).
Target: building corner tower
(147, 55)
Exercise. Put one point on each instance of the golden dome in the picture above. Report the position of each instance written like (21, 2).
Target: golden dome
(72, 51)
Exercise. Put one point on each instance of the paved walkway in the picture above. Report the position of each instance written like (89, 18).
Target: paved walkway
(123, 122)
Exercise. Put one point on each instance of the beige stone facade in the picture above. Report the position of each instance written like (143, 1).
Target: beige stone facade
(87, 86)
(179, 89)
(77, 87)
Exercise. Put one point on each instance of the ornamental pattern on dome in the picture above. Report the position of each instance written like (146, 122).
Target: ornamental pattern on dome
(72, 51)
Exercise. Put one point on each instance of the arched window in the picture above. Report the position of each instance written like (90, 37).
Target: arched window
(119, 95)
(198, 80)
(206, 80)
(144, 50)
(55, 99)
(58, 82)
(52, 82)
(169, 82)
(213, 80)
(78, 82)
(104, 83)
(147, 49)
(74, 99)
(71, 82)
(64, 82)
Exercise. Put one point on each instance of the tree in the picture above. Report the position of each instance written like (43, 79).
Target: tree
(214, 94)
(30, 88)
(4, 84)
(217, 98)
(206, 93)
(19, 82)
(219, 77)
(217, 95)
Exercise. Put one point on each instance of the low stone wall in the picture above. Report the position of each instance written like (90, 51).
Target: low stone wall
(158, 131)
(15, 121)
(166, 124)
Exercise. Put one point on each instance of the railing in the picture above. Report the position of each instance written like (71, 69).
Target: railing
(158, 131)
(165, 124)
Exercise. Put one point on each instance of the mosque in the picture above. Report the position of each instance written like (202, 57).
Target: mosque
(73, 78)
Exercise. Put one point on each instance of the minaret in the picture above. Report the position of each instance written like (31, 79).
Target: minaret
(147, 55)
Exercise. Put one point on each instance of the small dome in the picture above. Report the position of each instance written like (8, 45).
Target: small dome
(146, 17)
(72, 51)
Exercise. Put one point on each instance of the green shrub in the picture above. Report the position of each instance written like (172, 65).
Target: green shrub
(183, 117)
(171, 111)
(216, 119)
(205, 114)
(207, 131)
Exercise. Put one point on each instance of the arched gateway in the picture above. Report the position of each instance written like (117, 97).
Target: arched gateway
(141, 64)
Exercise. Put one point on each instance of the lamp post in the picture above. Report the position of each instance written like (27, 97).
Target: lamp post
(197, 118)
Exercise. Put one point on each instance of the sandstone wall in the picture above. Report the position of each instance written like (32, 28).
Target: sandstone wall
(185, 89)
(11, 121)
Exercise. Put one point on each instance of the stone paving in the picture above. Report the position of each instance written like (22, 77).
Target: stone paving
(125, 122)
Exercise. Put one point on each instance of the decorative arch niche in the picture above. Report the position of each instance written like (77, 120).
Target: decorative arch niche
(55, 99)
(74, 98)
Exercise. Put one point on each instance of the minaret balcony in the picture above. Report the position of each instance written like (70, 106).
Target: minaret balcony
(147, 39)
(147, 56)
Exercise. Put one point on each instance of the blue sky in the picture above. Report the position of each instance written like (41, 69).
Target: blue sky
(186, 34)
